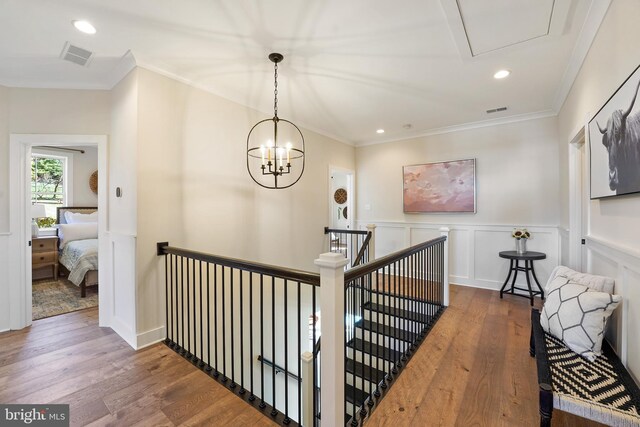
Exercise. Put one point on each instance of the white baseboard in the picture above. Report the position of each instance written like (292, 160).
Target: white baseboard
(150, 337)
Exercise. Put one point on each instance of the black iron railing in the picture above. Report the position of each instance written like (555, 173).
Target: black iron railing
(353, 244)
(390, 305)
(243, 323)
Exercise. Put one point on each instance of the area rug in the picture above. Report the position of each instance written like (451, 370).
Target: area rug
(51, 298)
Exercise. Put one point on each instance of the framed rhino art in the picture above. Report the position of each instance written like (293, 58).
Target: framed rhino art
(614, 142)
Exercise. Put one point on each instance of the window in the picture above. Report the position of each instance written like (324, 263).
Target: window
(48, 181)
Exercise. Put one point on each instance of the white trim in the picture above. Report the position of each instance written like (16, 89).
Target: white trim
(576, 149)
(121, 328)
(624, 260)
(468, 126)
(20, 260)
(125, 66)
(595, 16)
(150, 337)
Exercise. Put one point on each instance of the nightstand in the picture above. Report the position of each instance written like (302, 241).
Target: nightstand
(44, 255)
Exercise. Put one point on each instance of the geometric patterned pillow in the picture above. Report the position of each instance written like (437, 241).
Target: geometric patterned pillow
(577, 316)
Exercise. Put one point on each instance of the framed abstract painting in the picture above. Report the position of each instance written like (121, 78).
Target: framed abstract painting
(614, 142)
(440, 187)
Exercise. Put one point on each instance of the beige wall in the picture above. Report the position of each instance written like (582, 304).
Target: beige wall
(613, 241)
(614, 54)
(4, 159)
(59, 111)
(53, 111)
(194, 190)
(83, 166)
(515, 174)
(123, 155)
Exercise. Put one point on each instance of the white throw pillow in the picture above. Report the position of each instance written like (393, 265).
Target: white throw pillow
(70, 232)
(577, 315)
(77, 217)
(591, 281)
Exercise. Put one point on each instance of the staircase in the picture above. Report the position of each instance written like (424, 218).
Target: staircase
(381, 343)
(251, 326)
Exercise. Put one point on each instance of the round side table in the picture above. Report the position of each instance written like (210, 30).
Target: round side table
(528, 258)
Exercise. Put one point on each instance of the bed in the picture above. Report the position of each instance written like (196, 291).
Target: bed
(78, 245)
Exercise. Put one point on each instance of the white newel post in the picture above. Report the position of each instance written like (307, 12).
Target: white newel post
(444, 231)
(332, 332)
(372, 243)
(307, 388)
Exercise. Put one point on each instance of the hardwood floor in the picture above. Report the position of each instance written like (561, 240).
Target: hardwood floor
(69, 359)
(474, 369)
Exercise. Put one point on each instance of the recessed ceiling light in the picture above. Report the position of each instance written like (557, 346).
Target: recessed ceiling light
(380, 131)
(501, 74)
(85, 27)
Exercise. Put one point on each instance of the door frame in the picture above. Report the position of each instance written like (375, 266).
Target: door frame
(351, 194)
(578, 214)
(20, 225)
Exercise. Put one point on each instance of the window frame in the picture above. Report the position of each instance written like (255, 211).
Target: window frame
(67, 170)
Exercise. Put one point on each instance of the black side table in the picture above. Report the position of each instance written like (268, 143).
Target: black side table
(528, 258)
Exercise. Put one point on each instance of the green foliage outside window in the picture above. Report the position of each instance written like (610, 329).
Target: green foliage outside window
(47, 183)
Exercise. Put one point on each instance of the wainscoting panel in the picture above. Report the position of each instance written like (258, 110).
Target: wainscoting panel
(623, 264)
(564, 245)
(459, 253)
(389, 239)
(473, 249)
(5, 322)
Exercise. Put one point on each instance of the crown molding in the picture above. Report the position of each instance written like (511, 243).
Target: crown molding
(595, 16)
(125, 65)
(468, 126)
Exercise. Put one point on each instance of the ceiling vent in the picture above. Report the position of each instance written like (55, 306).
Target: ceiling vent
(496, 110)
(76, 54)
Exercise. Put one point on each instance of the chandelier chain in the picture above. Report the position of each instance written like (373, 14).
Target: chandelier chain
(275, 91)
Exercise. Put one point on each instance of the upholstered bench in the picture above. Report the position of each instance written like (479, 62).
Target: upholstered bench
(602, 390)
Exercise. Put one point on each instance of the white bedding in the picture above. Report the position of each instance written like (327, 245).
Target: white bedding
(79, 257)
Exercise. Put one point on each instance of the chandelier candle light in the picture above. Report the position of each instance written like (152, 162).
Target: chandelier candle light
(275, 146)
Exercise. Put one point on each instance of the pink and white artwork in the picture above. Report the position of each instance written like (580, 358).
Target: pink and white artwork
(440, 187)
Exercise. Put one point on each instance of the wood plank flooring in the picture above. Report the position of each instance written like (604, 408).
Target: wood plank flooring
(474, 369)
(69, 359)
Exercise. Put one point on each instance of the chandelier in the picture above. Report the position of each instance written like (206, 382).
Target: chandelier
(275, 146)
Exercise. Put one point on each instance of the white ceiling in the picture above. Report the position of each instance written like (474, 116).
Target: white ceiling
(350, 67)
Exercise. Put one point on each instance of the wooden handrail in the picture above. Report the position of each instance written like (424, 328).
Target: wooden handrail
(270, 270)
(370, 267)
(362, 250)
(328, 230)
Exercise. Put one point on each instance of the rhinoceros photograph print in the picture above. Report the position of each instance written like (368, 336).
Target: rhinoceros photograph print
(440, 187)
(614, 141)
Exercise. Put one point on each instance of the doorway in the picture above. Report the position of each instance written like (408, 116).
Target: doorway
(341, 198)
(21, 224)
(578, 200)
(63, 190)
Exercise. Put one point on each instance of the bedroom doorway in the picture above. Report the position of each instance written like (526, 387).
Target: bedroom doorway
(29, 262)
(64, 192)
